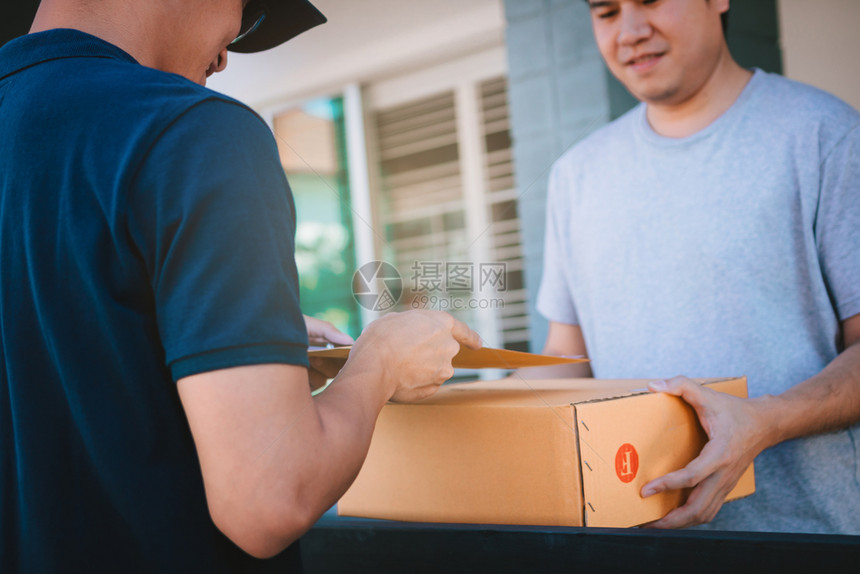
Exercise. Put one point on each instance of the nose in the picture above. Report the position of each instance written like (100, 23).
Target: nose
(634, 25)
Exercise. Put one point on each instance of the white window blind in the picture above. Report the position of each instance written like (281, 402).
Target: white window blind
(423, 208)
(504, 218)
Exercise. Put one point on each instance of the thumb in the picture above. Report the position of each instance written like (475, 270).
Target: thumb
(680, 386)
(466, 336)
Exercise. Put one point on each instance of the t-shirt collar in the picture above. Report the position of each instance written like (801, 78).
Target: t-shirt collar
(60, 43)
(645, 131)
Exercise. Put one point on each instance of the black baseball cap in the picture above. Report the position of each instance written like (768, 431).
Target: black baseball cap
(270, 23)
(265, 23)
(16, 19)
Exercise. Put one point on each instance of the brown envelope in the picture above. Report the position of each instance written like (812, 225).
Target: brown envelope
(483, 358)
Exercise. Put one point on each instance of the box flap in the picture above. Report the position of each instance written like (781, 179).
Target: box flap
(516, 391)
(624, 444)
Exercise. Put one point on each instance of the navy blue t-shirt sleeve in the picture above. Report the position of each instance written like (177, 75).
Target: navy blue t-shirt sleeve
(213, 217)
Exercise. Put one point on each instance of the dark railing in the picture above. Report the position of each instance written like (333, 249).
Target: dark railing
(338, 544)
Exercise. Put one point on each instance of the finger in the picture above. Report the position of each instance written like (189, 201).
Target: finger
(701, 507)
(678, 386)
(466, 336)
(690, 391)
(328, 333)
(680, 517)
(696, 471)
(322, 332)
(337, 337)
(415, 395)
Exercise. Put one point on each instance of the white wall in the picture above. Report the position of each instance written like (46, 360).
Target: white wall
(821, 45)
(362, 40)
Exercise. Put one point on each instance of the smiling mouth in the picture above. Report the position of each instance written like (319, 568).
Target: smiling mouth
(644, 62)
(644, 59)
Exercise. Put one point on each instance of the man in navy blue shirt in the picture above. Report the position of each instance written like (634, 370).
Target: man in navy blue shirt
(155, 412)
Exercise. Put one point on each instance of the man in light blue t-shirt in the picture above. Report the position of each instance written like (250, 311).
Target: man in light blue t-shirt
(714, 230)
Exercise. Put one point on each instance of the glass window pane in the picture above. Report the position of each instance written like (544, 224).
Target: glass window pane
(311, 143)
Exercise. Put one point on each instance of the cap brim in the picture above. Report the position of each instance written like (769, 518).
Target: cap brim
(285, 19)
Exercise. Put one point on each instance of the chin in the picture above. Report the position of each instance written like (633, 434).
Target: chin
(666, 97)
(654, 94)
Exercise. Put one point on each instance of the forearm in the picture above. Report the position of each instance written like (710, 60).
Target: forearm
(570, 371)
(826, 402)
(562, 340)
(347, 412)
(274, 458)
(311, 462)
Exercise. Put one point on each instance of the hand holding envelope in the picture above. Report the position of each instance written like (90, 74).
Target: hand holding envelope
(405, 345)
(483, 358)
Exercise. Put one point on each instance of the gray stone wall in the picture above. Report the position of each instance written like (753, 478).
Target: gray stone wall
(558, 94)
(560, 91)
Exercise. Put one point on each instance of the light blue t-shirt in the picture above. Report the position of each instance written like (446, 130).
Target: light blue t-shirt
(735, 251)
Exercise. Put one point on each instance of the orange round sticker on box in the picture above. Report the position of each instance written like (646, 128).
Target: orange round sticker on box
(626, 462)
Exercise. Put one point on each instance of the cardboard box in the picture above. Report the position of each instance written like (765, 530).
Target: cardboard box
(572, 452)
